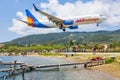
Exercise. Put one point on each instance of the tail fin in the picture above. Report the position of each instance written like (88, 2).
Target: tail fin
(30, 17)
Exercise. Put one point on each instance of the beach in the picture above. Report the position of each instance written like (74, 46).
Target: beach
(112, 69)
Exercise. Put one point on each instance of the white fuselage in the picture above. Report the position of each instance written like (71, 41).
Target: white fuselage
(79, 20)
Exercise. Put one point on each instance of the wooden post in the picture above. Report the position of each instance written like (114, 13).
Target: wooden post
(75, 66)
(14, 67)
(85, 65)
(58, 66)
(5, 77)
(9, 73)
(23, 75)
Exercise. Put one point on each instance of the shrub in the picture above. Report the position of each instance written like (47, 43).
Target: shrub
(109, 60)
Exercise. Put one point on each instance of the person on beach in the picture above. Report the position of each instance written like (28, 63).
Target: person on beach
(94, 50)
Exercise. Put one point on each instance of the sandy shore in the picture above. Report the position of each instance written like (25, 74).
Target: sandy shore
(112, 69)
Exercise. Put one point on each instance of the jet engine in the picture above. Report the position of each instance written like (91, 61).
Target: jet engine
(73, 27)
(68, 22)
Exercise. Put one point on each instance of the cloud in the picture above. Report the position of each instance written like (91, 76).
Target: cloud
(109, 8)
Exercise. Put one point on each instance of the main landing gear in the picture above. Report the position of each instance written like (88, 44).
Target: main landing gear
(97, 24)
(63, 29)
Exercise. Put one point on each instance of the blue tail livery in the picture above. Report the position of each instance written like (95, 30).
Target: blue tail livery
(32, 21)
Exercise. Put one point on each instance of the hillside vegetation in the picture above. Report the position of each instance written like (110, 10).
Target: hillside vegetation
(65, 37)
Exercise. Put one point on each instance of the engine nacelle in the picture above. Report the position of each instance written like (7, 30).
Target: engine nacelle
(73, 27)
(68, 22)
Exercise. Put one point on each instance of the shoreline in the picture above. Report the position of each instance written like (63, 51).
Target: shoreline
(112, 69)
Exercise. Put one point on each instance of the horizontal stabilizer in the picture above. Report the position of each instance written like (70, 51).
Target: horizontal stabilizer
(26, 22)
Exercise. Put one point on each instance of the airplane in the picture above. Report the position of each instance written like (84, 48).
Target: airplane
(55, 22)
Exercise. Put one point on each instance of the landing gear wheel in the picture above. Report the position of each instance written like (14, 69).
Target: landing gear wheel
(97, 24)
(64, 29)
(60, 26)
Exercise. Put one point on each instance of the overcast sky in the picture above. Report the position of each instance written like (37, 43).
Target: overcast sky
(11, 10)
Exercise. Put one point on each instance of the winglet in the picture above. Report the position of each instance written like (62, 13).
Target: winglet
(36, 8)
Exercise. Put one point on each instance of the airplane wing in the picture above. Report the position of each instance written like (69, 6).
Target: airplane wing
(54, 19)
